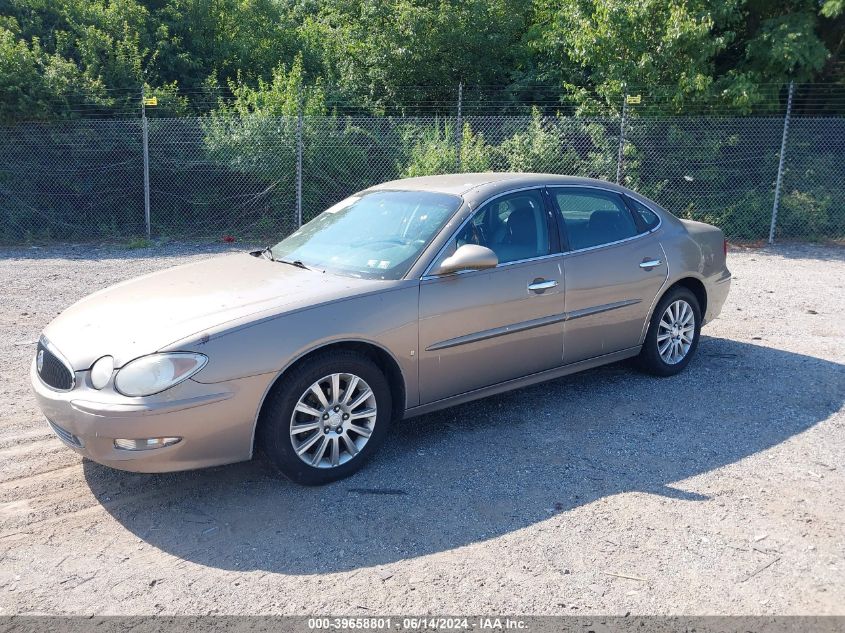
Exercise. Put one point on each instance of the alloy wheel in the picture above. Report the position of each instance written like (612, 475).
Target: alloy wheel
(333, 420)
(675, 332)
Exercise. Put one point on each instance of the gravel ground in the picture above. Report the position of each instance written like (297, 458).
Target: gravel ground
(719, 491)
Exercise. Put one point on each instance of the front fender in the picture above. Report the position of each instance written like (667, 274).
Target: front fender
(387, 319)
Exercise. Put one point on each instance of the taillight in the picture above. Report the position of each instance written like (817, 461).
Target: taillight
(725, 245)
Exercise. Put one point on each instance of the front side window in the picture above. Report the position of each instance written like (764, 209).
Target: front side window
(592, 217)
(513, 226)
(374, 235)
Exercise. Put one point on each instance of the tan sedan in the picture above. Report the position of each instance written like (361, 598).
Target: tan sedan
(408, 297)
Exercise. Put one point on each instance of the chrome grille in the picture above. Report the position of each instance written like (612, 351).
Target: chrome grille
(51, 369)
(66, 436)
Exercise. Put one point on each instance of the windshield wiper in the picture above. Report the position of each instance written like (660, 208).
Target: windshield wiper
(267, 253)
(295, 262)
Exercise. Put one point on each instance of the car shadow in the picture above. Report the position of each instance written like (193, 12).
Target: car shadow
(487, 468)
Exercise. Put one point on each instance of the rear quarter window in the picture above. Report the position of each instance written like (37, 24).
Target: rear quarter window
(648, 217)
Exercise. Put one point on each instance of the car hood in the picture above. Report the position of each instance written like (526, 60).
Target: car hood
(145, 314)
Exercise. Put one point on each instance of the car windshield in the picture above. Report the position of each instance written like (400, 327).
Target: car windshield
(376, 235)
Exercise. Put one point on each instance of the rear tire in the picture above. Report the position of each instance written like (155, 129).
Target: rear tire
(325, 418)
(673, 333)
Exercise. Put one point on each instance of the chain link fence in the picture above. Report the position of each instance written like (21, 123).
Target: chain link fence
(213, 177)
(253, 177)
(75, 180)
(717, 170)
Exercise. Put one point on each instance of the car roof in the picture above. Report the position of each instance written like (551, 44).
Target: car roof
(478, 186)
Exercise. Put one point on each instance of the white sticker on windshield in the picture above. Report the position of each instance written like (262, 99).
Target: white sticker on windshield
(384, 264)
(340, 206)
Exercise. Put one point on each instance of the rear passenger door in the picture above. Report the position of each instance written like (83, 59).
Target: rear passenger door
(614, 267)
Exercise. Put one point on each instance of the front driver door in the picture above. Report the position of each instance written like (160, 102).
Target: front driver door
(479, 328)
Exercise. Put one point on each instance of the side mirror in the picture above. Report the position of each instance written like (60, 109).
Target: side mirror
(467, 257)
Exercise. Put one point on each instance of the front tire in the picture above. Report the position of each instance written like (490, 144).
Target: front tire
(673, 333)
(326, 417)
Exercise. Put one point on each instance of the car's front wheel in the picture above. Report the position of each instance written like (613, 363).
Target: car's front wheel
(673, 333)
(326, 417)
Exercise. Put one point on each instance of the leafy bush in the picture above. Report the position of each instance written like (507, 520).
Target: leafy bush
(433, 151)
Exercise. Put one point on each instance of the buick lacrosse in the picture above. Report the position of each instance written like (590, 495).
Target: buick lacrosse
(408, 297)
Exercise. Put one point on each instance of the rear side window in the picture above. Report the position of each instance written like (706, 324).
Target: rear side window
(592, 218)
(649, 218)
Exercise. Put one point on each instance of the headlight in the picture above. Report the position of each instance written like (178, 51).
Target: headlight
(151, 374)
(101, 372)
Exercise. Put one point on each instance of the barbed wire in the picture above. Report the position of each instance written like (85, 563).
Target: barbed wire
(811, 99)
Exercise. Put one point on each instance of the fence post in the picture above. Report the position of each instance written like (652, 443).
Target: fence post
(299, 161)
(459, 134)
(145, 135)
(779, 180)
(621, 136)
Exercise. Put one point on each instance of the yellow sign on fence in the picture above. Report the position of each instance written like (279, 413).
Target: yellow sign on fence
(634, 99)
(151, 101)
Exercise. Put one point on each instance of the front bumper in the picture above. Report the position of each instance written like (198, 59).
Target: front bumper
(215, 422)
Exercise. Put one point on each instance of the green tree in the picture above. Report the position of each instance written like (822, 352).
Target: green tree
(414, 53)
(678, 52)
(35, 84)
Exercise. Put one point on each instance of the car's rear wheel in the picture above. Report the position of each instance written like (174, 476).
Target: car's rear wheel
(326, 417)
(672, 337)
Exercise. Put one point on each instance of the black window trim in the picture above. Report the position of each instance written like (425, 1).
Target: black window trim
(556, 241)
(562, 228)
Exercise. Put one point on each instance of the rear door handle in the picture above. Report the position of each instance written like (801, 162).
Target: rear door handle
(539, 285)
(650, 263)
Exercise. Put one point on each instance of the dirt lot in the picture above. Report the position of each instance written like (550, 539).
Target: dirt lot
(718, 491)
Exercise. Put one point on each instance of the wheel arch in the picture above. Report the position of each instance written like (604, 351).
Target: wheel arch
(383, 359)
(693, 284)
(696, 287)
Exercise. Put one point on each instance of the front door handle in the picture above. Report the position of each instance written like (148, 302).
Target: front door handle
(539, 285)
(650, 263)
